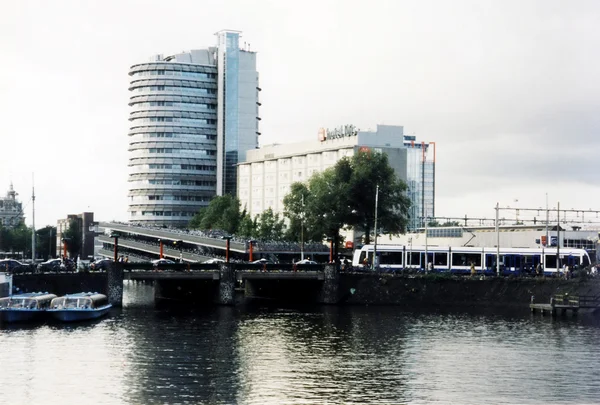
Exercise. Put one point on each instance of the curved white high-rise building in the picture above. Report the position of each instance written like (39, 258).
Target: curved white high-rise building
(193, 116)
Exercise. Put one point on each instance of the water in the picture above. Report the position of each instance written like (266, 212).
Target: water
(315, 355)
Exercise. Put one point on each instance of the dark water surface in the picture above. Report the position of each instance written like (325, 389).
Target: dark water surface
(318, 355)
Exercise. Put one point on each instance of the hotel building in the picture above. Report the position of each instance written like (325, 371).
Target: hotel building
(265, 177)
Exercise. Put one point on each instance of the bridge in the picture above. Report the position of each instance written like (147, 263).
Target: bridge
(214, 283)
(195, 247)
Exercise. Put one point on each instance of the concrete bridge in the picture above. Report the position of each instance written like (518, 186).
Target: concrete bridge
(214, 283)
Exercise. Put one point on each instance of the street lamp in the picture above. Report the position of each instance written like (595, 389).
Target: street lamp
(116, 236)
(302, 230)
(179, 244)
(410, 252)
(375, 238)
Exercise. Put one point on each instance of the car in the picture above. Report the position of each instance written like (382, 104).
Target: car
(214, 260)
(262, 261)
(306, 261)
(11, 265)
(159, 262)
(50, 265)
(101, 264)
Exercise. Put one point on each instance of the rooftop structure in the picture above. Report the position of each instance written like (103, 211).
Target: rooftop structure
(11, 210)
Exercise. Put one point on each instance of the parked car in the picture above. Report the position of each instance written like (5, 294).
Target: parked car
(12, 265)
(50, 265)
(160, 262)
(263, 261)
(101, 264)
(214, 260)
(306, 261)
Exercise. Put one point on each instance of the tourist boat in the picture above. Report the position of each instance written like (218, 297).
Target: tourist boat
(24, 307)
(79, 307)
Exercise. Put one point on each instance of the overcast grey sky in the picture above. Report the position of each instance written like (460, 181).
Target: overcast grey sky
(508, 90)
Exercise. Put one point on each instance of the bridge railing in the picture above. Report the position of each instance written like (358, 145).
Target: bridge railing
(287, 267)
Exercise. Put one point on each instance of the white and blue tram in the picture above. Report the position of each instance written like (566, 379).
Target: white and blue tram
(459, 259)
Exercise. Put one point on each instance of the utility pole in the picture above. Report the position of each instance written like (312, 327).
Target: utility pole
(32, 221)
(375, 238)
(547, 220)
(426, 227)
(558, 238)
(301, 231)
(497, 239)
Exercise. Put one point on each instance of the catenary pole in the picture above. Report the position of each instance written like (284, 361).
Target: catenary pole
(497, 239)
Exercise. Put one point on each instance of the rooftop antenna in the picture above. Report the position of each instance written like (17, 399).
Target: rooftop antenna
(32, 219)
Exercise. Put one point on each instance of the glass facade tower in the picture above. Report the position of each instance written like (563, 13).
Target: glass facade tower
(187, 128)
(420, 179)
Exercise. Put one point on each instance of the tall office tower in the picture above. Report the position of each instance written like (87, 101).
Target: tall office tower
(194, 115)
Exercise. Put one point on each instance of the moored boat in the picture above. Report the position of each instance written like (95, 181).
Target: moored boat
(24, 307)
(79, 307)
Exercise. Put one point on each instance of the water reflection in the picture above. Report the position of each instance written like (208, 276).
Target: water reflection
(271, 355)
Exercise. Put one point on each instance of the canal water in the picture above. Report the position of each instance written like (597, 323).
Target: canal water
(268, 354)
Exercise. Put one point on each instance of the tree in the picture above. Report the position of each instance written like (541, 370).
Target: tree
(325, 209)
(74, 236)
(369, 170)
(46, 242)
(270, 226)
(248, 226)
(223, 212)
(451, 223)
(344, 196)
(295, 209)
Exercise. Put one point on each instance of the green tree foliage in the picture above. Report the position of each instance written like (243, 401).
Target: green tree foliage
(344, 195)
(270, 226)
(74, 236)
(296, 205)
(248, 226)
(223, 212)
(17, 239)
(46, 242)
(370, 169)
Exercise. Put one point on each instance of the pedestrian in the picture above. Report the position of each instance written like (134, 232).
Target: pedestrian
(472, 269)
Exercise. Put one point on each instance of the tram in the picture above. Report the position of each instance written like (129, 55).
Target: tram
(459, 259)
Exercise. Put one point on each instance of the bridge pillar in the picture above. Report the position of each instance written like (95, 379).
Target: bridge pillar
(115, 284)
(330, 289)
(227, 280)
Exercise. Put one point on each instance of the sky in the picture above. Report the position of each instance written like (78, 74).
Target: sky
(508, 90)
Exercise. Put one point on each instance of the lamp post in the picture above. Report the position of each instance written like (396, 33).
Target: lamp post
(410, 252)
(301, 231)
(498, 239)
(179, 245)
(227, 240)
(115, 236)
(375, 236)
(426, 243)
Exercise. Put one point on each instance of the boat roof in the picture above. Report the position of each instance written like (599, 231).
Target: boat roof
(36, 296)
(31, 295)
(92, 295)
